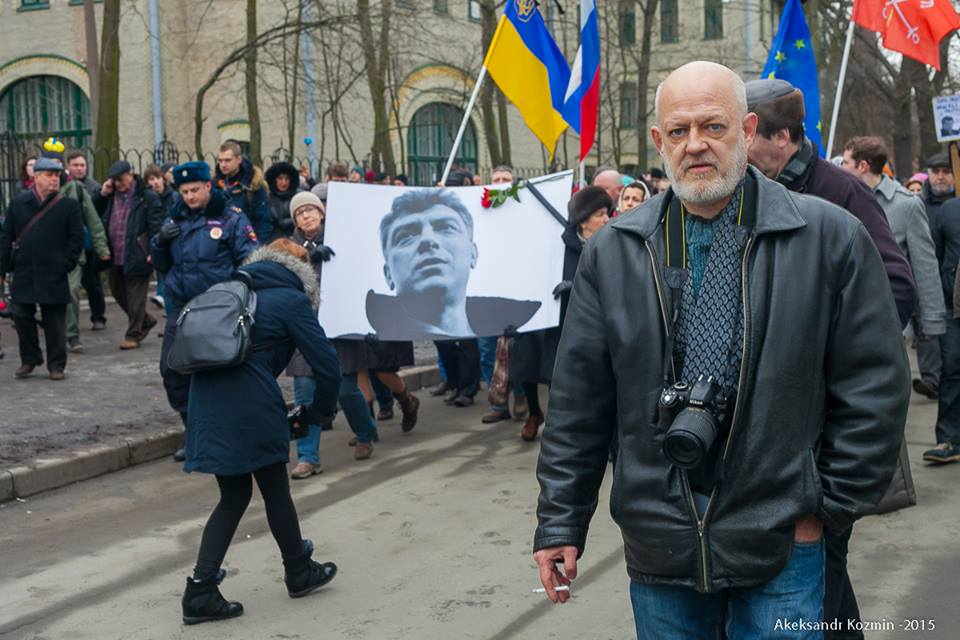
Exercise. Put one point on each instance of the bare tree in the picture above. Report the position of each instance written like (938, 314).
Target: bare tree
(376, 51)
(107, 133)
(93, 57)
(250, 61)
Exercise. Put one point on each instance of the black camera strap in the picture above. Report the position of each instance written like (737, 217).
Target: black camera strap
(675, 270)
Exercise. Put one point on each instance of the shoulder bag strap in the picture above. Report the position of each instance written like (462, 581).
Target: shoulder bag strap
(35, 219)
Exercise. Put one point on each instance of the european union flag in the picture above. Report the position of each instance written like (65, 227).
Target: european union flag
(791, 59)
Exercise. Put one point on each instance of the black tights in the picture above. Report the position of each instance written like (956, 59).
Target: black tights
(532, 391)
(235, 493)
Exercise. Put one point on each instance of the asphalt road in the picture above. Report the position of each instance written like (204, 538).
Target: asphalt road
(432, 536)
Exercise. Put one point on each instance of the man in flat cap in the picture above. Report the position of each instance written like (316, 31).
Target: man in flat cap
(131, 213)
(935, 192)
(202, 242)
(783, 153)
(40, 244)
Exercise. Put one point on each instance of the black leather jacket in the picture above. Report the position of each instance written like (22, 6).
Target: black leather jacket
(823, 394)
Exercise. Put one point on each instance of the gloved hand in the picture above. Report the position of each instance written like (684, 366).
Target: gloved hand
(167, 233)
(510, 331)
(562, 288)
(322, 253)
(371, 339)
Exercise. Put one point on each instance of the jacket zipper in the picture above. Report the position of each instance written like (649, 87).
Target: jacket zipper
(660, 298)
(702, 522)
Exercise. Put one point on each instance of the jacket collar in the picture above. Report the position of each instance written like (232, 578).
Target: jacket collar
(887, 188)
(776, 210)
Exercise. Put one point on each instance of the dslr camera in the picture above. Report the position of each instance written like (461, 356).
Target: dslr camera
(694, 417)
(299, 422)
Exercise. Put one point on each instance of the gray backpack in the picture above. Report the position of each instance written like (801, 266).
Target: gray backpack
(213, 329)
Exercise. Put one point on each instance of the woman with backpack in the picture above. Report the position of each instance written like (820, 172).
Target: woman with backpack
(239, 430)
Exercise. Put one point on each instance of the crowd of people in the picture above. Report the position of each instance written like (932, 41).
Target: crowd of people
(722, 311)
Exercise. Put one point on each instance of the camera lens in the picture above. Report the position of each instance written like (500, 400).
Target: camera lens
(690, 437)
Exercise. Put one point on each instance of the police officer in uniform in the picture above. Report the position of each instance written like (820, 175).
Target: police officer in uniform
(202, 242)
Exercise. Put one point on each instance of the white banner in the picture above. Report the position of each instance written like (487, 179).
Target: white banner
(415, 263)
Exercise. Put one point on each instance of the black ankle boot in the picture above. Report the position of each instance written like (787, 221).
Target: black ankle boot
(203, 602)
(303, 575)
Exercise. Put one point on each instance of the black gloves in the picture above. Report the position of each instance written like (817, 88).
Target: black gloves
(510, 331)
(322, 253)
(317, 418)
(167, 233)
(562, 288)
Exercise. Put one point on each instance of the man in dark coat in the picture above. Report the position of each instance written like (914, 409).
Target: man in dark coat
(244, 184)
(202, 241)
(935, 192)
(782, 152)
(946, 239)
(131, 213)
(40, 244)
(783, 301)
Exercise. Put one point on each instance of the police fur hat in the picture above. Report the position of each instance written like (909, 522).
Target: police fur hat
(194, 171)
(585, 203)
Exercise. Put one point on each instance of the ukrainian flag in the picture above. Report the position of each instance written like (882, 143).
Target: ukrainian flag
(530, 69)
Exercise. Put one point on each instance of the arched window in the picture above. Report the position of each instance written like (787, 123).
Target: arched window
(430, 139)
(40, 106)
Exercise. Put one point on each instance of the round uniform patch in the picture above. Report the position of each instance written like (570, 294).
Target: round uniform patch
(216, 233)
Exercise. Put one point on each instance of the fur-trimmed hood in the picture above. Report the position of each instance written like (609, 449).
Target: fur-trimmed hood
(301, 270)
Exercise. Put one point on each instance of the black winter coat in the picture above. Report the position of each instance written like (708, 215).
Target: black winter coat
(146, 217)
(822, 397)
(49, 251)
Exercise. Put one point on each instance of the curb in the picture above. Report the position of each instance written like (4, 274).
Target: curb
(44, 475)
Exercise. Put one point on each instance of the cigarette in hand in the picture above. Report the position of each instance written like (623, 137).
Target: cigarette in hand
(560, 588)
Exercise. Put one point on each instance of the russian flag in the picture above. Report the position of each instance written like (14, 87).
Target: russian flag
(581, 103)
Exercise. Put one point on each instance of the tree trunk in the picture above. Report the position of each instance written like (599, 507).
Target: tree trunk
(253, 109)
(375, 52)
(93, 57)
(107, 134)
(504, 128)
(649, 12)
(488, 13)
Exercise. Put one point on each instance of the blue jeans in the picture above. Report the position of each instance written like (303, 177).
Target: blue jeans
(766, 611)
(308, 449)
(355, 409)
(488, 357)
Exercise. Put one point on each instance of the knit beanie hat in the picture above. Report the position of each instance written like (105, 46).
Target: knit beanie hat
(302, 199)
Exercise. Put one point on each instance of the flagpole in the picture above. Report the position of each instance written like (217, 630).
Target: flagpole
(463, 124)
(583, 173)
(843, 77)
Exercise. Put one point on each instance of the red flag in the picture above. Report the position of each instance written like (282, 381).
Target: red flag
(911, 27)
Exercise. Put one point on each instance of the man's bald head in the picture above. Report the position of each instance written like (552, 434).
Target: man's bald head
(704, 77)
(702, 133)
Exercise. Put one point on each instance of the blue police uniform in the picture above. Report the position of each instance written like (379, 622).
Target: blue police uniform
(211, 245)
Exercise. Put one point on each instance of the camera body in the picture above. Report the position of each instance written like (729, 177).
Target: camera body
(299, 423)
(694, 417)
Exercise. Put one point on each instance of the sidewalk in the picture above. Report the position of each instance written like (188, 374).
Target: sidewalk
(110, 412)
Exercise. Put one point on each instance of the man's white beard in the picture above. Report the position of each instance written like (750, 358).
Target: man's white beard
(700, 191)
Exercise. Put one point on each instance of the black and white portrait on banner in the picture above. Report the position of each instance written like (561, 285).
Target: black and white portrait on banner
(417, 263)
(946, 115)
